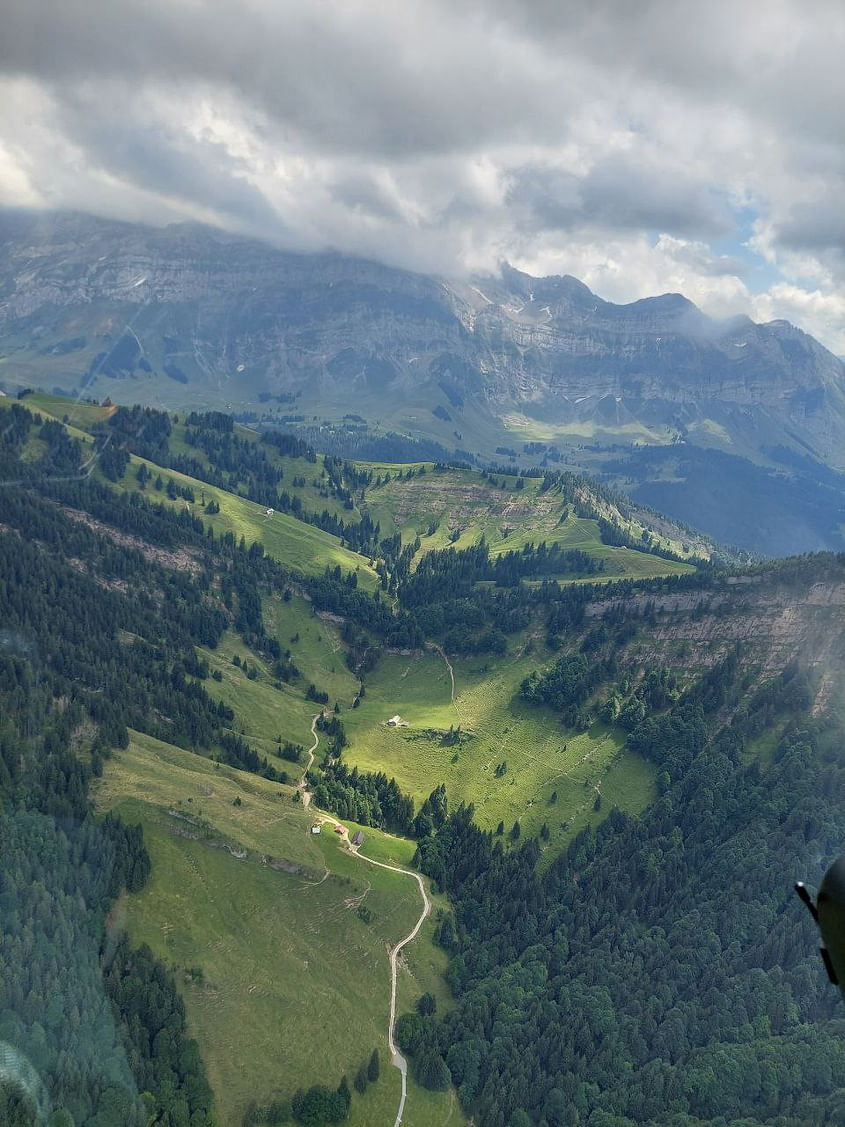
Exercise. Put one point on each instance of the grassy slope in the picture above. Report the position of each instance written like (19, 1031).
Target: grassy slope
(295, 986)
(292, 542)
(502, 727)
(55, 407)
(79, 414)
(237, 944)
(264, 711)
(507, 518)
(85, 416)
(313, 494)
(286, 539)
(525, 428)
(487, 702)
(448, 499)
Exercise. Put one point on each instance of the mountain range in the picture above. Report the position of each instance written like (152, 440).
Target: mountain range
(741, 422)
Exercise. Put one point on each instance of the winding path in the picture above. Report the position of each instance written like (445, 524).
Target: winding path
(442, 653)
(301, 786)
(396, 1058)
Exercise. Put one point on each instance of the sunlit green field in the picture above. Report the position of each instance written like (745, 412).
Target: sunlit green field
(542, 758)
(267, 713)
(523, 428)
(295, 986)
(442, 503)
(298, 545)
(79, 413)
(315, 646)
(83, 417)
(434, 506)
(55, 407)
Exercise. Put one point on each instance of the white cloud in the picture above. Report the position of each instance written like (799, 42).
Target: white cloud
(18, 190)
(820, 314)
(627, 268)
(614, 141)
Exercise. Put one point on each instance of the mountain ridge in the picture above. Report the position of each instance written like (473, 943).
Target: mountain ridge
(557, 314)
(189, 316)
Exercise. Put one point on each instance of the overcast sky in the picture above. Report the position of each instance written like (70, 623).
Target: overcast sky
(643, 147)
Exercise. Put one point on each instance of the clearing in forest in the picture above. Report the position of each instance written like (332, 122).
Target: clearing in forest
(552, 775)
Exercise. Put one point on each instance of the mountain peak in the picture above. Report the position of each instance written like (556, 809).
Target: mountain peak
(670, 301)
(519, 280)
(227, 319)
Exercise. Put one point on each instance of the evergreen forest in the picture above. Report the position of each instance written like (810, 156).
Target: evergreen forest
(645, 967)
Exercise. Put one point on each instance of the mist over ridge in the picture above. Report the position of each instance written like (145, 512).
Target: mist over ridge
(655, 393)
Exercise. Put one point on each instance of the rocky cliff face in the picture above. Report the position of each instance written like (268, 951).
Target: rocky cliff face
(570, 344)
(209, 314)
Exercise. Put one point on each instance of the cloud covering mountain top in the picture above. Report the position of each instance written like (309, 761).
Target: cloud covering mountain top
(668, 146)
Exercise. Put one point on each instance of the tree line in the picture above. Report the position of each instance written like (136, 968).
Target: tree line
(661, 971)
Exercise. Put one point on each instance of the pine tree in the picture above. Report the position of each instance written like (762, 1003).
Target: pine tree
(344, 1092)
(426, 1004)
(374, 1067)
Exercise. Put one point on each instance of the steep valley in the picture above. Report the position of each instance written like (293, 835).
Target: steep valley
(519, 686)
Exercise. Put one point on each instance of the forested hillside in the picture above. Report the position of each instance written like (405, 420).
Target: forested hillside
(610, 755)
(661, 971)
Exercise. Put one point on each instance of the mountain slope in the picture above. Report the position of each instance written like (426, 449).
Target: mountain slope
(649, 763)
(529, 367)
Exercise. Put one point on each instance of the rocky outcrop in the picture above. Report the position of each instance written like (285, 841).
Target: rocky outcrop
(81, 296)
(774, 623)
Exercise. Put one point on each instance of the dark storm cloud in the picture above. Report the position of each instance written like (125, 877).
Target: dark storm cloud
(152, 155)
(360, 192)
(406, 81)
(783, 58)
(818, 227)
(365, 77)
(620, 193)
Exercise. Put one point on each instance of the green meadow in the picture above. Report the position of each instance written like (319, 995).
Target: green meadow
(523, 428)
(82, 417)
(442, 503)
(301, 546)
(74, 412)
(264, 711)
(435, 506)
(543, 759)
(284, 984)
